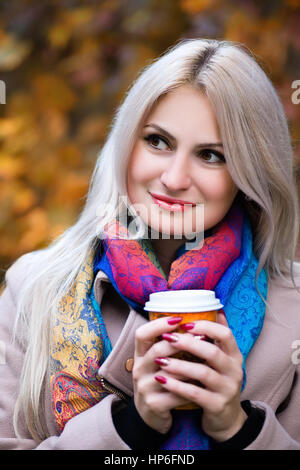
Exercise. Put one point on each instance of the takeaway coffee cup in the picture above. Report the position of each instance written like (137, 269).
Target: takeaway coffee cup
(191, 305)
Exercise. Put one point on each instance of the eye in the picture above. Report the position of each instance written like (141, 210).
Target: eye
(154, 139)
(211, 156)
(207, 155)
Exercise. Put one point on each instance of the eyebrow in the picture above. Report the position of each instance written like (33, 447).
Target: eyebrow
(171, 137)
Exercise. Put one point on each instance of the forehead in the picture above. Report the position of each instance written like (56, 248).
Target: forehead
(185, 111)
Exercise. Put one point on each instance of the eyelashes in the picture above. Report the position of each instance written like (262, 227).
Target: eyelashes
(204, 154)
(151, 137)
(215, 153)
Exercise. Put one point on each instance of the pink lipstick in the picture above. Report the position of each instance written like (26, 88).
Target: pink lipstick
(174, 205)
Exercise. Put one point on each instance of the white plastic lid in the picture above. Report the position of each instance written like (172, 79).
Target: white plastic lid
(297, 267)
(198, 300)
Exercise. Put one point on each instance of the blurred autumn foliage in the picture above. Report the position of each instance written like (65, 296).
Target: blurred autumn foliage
(66, 65)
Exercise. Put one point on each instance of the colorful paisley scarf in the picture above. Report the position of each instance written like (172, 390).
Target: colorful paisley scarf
(225, 263)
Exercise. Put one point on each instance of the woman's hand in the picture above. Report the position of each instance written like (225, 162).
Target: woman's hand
(151, 401)
(220, 377)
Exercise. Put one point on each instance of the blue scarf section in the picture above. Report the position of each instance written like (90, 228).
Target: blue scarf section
(244, 310)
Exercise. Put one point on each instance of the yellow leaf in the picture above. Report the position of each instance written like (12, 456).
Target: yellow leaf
(36, 230)
(59, 35)
(13, 52)
(53, 91)
(56, 230)
(292, 3)
(196, 6)
(10, 126)
(23, 201)
(10, 167)
(70, 189)
(93, 129)
(77, 17)
(53, 125)
(69, 154)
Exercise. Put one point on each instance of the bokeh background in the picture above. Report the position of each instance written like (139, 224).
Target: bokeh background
(67, 65)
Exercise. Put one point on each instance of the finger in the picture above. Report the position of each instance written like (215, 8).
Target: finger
(149, 390)
(147, 365)
(221, 318)
(218, 332)
(160, 348)
(205, 375)
(146, 334)
(192, 393)
(203, 350)
(163, 400)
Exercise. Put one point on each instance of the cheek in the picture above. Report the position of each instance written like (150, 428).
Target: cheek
(140, 169)
(219, 187)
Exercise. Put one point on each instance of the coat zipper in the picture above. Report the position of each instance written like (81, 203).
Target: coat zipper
(108, 387)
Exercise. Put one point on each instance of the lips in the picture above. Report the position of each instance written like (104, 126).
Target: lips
(171, 204)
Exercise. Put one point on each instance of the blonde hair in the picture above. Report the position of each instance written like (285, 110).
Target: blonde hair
(259, 156)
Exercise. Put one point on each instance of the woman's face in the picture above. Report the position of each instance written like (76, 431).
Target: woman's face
(181, 160)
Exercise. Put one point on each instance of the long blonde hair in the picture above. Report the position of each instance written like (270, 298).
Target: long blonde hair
(259, 156)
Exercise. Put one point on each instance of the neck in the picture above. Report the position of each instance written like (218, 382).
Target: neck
(165, 251)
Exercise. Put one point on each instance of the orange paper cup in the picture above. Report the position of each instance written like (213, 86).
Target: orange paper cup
(191, 305)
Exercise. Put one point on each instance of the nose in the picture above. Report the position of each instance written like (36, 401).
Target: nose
(176, 176)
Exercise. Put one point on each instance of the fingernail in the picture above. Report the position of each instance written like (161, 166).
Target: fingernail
(162, 361)
(201, 337)
(170, 338)
(187, 326)
(174, 320)
(160, 379)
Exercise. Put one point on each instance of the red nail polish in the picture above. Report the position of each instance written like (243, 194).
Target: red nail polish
(187, 326)
(162, 361)
(174, 320)
(170, 338)
(160, 379)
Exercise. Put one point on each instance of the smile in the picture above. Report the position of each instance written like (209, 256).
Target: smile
(173, 205)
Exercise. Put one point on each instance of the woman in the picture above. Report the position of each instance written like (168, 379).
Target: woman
(201, 128)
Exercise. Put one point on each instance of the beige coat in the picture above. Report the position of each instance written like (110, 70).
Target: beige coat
(273, 381)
